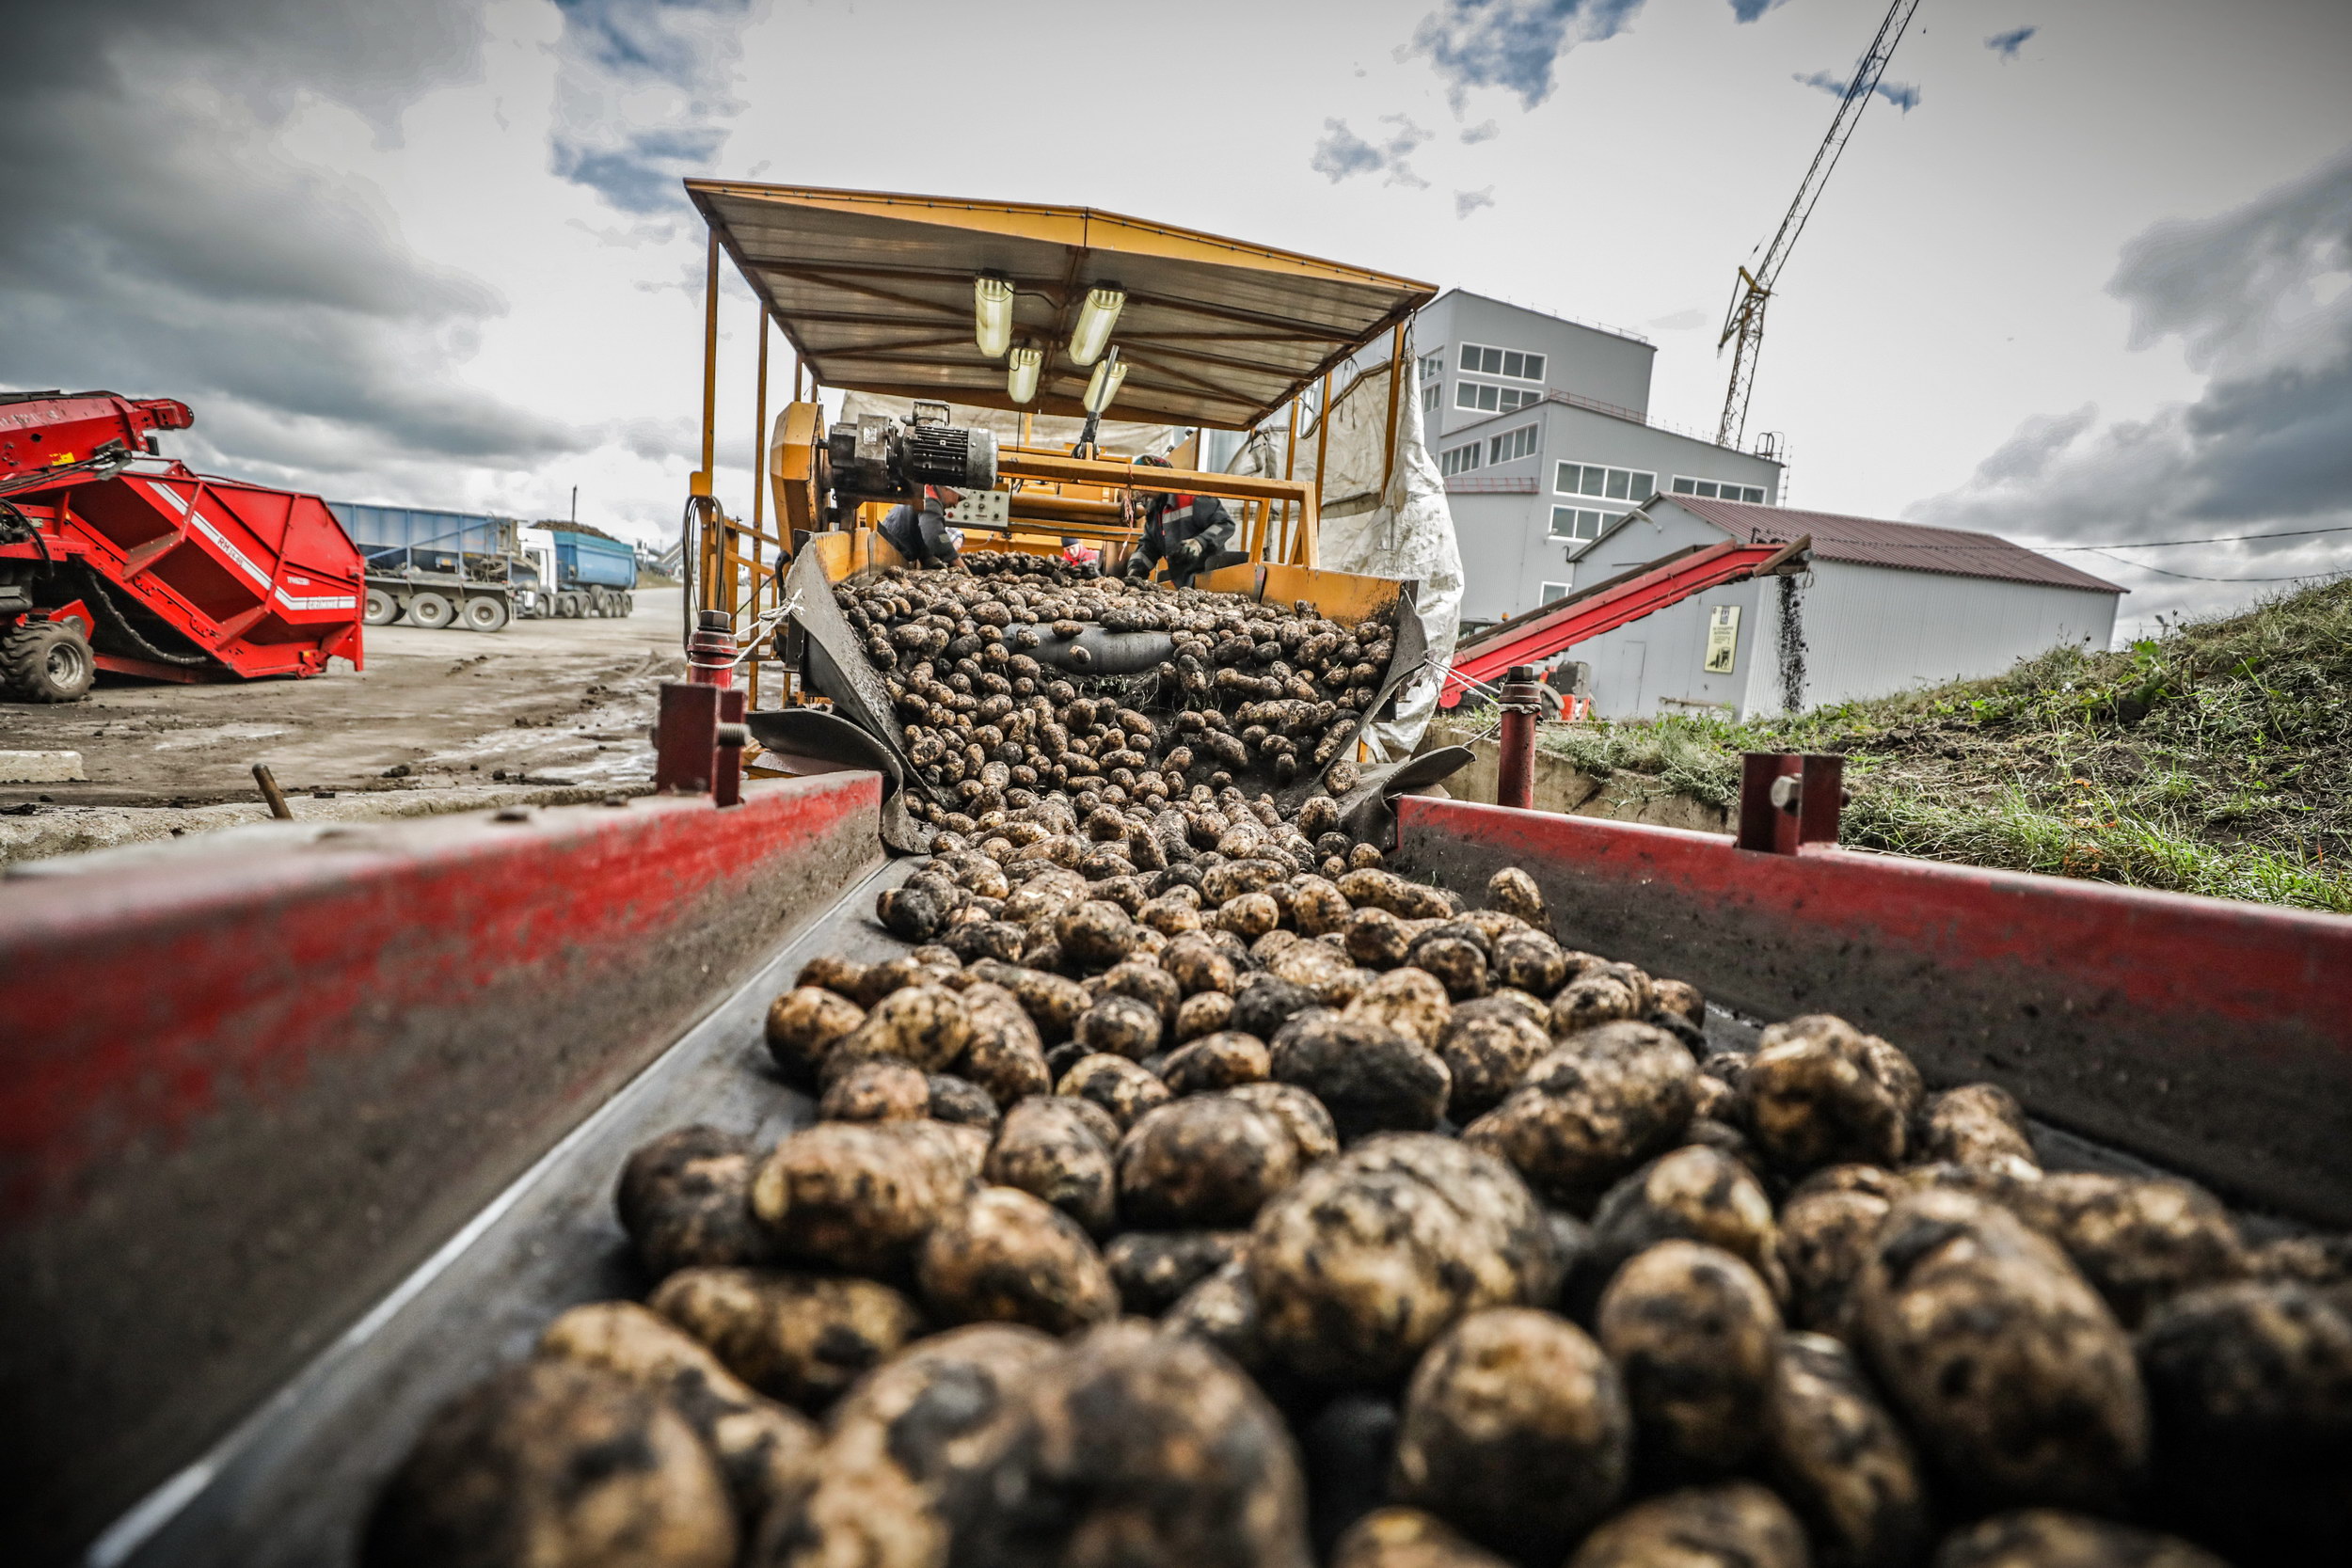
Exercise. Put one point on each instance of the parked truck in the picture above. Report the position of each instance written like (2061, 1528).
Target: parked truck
(433, 568)
(569, 573)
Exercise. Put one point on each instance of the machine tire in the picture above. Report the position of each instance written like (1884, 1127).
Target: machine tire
(431, 612)
(568, 606)
(382, 611)
(628, 606)
(485, 612)
(46, 661)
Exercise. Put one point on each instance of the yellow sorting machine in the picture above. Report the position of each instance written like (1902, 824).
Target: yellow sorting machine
(1032, 326)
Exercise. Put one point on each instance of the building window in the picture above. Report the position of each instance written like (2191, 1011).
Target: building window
(1595, 479)
(1554, 592)
(1508, 363)
(1461, 460)
(1432, 368)
(1488, 398)
(1580, 524)
(1723, 489)
(1431, 396)
(1512, 444)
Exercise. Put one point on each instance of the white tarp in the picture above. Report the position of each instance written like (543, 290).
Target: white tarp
(1404, 532)
(1115, 436)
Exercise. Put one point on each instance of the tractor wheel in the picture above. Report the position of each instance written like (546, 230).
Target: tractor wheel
(485, 612)
(46, 661)
(431, 612)
(383, 610)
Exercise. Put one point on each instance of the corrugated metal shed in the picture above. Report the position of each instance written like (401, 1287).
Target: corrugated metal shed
(1876, 542)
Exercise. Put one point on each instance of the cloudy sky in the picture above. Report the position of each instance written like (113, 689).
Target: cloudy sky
(2080, 280)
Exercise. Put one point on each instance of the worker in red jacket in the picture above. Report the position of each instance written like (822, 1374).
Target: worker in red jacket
(1189, 532)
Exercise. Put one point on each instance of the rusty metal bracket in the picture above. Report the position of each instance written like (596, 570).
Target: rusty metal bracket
(1788, 801)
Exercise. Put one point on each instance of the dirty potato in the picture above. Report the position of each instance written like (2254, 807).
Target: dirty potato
(1153, 1268)
(1221, 1311)
(1225, 1060)
(861, 1196)
(1052, 1001)
(798, 1338)
(1374, 1253)
(1487, 1046)
(1408, 1537)
(1007, 1256)
(1839, 1458)
(1058, 1148)
(1695, 1194)
(1598, 994)
(1094, 934)
(1979, 1125)
(1370, 1077)
(1530, 962)
(1697, 1334)
(1248, 915)
(685, 1199)
(1263, 1003)
(2137, 1240)
(1317, 905)
(1006, 1056)
(1377, 939)
(1115, 1085)
(1310, 1126)
(803, 1026)
(1825, 1235)
(924, 1025)
(876, 1089)
(1121, 1026)
(1412, 1002)
(1514, 892)
(1515, 1432)
(1207, 1013)
(1818, 1091)
(1204, 1163)
(2053, 1538)
(2012, 1371)
(1199, 965)
(1590, 1111)
(553, 1461)
(1737, 1524)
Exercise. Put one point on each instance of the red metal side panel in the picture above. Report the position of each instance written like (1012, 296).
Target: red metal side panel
(2211, 1035)
(248, 1089)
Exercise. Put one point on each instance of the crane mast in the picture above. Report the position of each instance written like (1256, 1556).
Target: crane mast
(1743, 323)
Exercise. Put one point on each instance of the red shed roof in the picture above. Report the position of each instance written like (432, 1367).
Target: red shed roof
(1876, 542)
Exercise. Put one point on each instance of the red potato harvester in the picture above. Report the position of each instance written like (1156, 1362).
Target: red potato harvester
(113, 557)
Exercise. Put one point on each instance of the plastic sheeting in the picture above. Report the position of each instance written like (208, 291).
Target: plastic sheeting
(1117, 437)
(1404, 531)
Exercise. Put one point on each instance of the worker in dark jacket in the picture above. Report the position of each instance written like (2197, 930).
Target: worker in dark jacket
(924, 537)
(1189, 532)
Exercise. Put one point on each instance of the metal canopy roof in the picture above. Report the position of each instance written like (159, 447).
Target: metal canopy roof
(874, 289)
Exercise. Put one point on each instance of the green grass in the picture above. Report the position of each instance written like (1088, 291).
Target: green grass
(2215, 759)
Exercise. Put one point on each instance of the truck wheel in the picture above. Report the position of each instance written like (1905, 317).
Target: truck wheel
(628, 606)
(568, 606)
(485, 612)
(46, 661)
(431, 610)
(383, 610)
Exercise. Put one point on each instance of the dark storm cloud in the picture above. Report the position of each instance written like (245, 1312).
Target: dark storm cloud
(1901, 95)
(2258, 299)
(615, 48)
(2007, 44)
(1342, 154)
(156, 241)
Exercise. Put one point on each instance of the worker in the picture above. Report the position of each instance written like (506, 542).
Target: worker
(1189, 532)
(1084, 558)
(924, 538)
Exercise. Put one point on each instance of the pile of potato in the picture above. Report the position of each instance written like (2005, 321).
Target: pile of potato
(1198, 1192)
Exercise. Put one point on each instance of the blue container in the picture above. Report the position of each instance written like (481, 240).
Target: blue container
(585, 560)
(391, 537)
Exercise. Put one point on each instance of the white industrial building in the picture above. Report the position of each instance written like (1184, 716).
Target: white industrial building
(1887, 606)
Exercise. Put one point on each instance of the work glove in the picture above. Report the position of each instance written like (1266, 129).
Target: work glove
(1138, 566)
(1187, 556)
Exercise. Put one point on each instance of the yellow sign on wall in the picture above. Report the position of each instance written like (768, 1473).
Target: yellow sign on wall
(1723, 638)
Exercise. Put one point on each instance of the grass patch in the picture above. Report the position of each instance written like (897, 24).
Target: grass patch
(2215, 759)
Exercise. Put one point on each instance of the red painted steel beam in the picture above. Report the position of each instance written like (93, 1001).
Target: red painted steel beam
(2212, 1036)
(1539, 637)
(250, 1088)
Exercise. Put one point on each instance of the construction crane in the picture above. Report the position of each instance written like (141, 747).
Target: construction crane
(1743, 323)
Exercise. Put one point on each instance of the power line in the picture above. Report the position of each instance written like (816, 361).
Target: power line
(2216, 539)
(2191, 577)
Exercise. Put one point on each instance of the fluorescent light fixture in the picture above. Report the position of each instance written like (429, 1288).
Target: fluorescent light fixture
(1096, 318)
(1022, 373)
(1104, 384)
(991, 315)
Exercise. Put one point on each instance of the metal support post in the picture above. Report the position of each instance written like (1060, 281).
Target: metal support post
(1788, 801)
(1515, 758)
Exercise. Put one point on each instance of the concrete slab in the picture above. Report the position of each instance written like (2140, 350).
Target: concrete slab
(41, 766)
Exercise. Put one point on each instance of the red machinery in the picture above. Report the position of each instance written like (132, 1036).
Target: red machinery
(1480, 661)
(114, 559)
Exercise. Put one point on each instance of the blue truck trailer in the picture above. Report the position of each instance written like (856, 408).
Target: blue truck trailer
(570, 573)
(434, 568)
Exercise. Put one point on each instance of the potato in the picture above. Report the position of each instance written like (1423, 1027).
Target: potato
(1221, 1311)
(1487, 1046)
(1591, 1111)
(2139, 1242)
(1199, 965)
(1121, 1026)
(917, 910)
(1385, 890)
(903, 1447)
(1825, 1235)
(1376, 938)
(1681, 999)
(881, 979)
(1820, 1091)
(798, 1338)
(1248, 915)
(1839, 1459)
(1370, 1077)
(1052, 1001)
(1094, 934)
(1170, 917)
(767, 1452)
(1320, 967)
(1148, 982)
(1979, 1125)
(960, 1101)
(2252, 1390)
(1115, 1085)
(1153, 1268)
(1263, 1003)
(1530, 962)
(974, 939)
(924, 1025)
(1317, 905)
(1602, 993)
(1697, 1334)
(1410, 1001)
(877, 1090)
(1408, 1537)
(1220, 1061)
(803, 1026)
(1136, 1446)
(2012, 1371)
(1058, 1148)
(1205, 1162)
(1005, 1056)
(1514, 892)
(830, 972)
(685, 1199)
(1737, 1524)
(860, 1196)
(2052, 1538)
(1374, 1253)
(1007, 1256)
(553, 1461)
(1514, 1430)
(1207, 1013)
(1310, 1126)
(1695, 1194)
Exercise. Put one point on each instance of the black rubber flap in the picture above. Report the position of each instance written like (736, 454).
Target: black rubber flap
(1368, 811)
